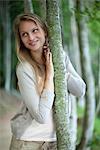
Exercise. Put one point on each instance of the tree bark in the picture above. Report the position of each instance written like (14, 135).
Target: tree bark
(74, 30)
(6, 43)
(64, 141)
(75, 44)
(43, 9)
(89, 116)
(76, 60)
(28, 8)
(73, 120)
(98, 86)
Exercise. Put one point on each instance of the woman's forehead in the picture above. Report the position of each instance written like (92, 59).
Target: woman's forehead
(27, 24)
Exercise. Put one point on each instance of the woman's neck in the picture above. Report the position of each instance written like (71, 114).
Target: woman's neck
(38, 58)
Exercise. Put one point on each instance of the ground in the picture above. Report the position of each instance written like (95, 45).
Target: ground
(9, 105)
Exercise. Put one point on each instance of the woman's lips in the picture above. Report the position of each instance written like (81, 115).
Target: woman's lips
(33, 43)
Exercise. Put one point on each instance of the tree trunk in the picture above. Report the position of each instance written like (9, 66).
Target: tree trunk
(28, 8)
(73, 120)
(76, 60)
(75, 44)
(61, 116)
(6, 43)
(43, 9)
(89, 116)
(98, 86)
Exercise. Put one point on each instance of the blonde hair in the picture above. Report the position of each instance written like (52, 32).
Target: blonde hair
(22, 52)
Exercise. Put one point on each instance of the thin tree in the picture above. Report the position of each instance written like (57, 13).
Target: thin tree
(64, 140)
(43, 9)
(89, 116)
(74, 37)
(98, 86)
(5, 17)
(28, 8)
(73, 49)
(75, 53)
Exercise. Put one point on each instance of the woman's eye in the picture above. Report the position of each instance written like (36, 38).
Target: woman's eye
(35, 30)
(24, 34)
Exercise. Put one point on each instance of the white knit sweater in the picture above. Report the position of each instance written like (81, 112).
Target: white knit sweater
(34, 122)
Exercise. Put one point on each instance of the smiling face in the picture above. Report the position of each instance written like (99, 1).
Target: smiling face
(32, 35)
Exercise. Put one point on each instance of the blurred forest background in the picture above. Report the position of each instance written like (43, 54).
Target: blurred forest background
(80, 24)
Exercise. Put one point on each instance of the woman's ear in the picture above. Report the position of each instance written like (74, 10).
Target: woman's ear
(46, 42)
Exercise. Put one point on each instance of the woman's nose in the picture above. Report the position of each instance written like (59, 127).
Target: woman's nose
(31, 36)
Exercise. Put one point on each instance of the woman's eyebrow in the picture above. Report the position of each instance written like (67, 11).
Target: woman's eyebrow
(29, 30)
(35, 28)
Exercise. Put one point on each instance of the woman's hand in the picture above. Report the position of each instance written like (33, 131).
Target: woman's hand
(48, 62)
(49, 84)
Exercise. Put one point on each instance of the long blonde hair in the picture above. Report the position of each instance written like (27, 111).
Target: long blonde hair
(23, 53)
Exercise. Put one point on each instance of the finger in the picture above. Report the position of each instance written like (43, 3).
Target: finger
(47, 56)
(46, 51)
(45, 46)
(50, 57)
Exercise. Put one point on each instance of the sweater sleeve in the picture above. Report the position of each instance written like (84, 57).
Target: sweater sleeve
(76, 85)
(39, 106)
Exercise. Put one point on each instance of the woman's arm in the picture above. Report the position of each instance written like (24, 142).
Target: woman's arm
(49, 74)
(76, 85)
(39, 106)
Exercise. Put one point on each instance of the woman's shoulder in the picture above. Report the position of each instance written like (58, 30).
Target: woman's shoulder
(24, 67)
(66, 58)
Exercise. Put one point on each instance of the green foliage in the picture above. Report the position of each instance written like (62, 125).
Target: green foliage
(94, 43)
(80, 113)
(16, 7)
(37, 7)
(94, 40)
(97, 126)
(1, 57)
(65, 22)
(93, 12)
(95, 143)
(93, 22)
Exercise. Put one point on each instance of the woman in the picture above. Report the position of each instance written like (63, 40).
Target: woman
(33, 126)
